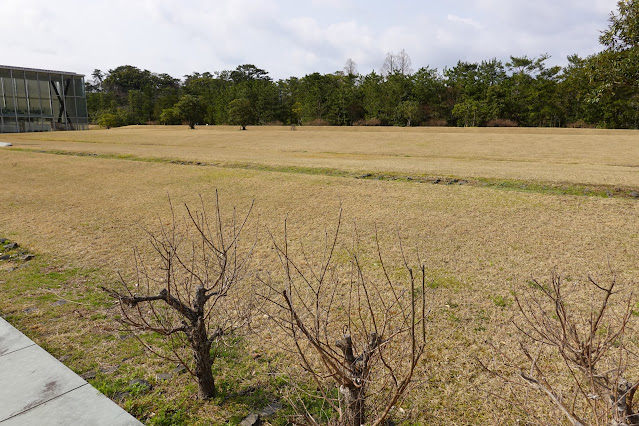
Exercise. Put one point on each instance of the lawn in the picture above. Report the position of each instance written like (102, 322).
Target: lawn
(487, 209)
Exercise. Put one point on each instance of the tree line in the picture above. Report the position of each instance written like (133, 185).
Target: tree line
(600, 90)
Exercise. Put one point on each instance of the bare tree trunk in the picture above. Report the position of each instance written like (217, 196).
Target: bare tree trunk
(353, 394)
(352, 401)
(621, 399)
(201, 347)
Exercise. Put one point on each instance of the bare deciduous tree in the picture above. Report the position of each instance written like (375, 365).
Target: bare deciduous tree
(397, 63)
(350, 68)
(350, 328)
(186, 292)
(579, 352)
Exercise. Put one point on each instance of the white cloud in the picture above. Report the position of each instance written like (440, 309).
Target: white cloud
(325, 48)
(465, 21)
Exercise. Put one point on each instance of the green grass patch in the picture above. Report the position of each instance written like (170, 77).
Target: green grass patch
(501, 301)
(440, 279)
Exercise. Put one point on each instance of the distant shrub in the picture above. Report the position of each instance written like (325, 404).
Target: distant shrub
(580, 124)
(501, 122)
(274, 123)
(110, 119)
(368, 122)
(170, 116)
(319, 122)
(436, 122)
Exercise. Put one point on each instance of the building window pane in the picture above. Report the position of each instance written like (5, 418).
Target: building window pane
(9, 106)
(21, 90)
(22, 108)
(56, 87)
(70, 103)
(81, 105)
(56, 107)
(79, 86)
(68, 87)
(32, 84)
(46, 107)
(44, 86)
(35, 107)
(8, 84)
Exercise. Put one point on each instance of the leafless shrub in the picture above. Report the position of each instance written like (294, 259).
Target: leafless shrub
(357, 334)
(186, 292)
(274, 123)
(501, 122)
(578, 354)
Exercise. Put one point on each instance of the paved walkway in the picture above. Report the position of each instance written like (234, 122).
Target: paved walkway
(37, 389)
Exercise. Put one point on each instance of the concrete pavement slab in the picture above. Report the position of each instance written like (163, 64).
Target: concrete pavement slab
(30, 377)
(11, 339)
(83, 406)
(37, 389)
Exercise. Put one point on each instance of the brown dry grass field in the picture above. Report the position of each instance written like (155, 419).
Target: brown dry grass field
(554, 155)
(85, 212)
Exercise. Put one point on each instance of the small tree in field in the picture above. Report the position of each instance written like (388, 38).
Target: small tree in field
(240, 112)
(409, 111)
(170, 116)
(358, 336)
(191, 109)
(187, 292)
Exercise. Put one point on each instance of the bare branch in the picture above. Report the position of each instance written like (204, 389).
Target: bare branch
(187, 291)
(350, 335)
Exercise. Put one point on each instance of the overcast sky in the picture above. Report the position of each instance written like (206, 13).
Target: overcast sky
(288, 37)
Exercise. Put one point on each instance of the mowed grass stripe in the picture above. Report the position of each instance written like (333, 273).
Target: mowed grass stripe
(541, 187)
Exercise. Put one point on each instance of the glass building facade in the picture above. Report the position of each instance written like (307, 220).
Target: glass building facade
(33, 100)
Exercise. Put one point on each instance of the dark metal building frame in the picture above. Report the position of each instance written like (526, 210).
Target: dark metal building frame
(35, 100)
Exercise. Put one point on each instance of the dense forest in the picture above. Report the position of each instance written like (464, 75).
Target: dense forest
(601, 90)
